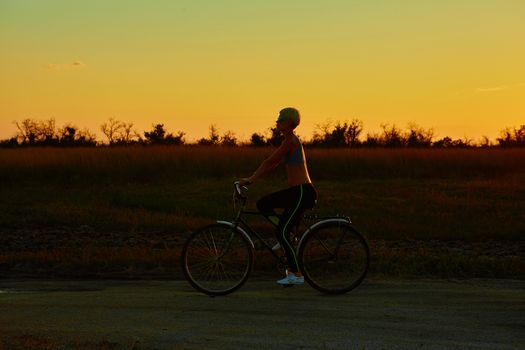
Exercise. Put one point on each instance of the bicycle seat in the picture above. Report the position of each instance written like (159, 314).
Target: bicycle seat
(313, 206)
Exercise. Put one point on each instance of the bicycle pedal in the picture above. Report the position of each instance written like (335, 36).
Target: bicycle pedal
(288, 285)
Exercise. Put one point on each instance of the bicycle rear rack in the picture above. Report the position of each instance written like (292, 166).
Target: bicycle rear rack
(312, 217)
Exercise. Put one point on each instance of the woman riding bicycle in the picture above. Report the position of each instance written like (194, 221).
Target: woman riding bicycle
(301, 194)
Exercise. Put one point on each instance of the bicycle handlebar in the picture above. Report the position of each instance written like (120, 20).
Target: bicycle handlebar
(238, 190)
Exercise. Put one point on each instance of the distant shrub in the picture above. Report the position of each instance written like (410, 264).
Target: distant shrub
(512, 137)
(121, 133)
(419, 137)
(213, 137)
(44, 133)
(228, 139)
(158, 136)
(9, 143)
(339, 134)
(447, 142)
(257, 140)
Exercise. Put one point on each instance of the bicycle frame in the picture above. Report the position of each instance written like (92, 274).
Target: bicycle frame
(239, 224)
(243, 226)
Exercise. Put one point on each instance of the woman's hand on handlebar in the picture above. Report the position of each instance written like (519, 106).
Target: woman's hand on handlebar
(245, 181)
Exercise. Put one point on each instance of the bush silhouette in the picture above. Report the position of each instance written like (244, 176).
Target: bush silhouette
(512, 137)
(340, 134)
(158, 136)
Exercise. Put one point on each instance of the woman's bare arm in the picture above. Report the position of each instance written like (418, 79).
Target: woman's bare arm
(270, 163)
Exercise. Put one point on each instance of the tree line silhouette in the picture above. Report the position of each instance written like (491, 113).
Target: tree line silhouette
(329, 134)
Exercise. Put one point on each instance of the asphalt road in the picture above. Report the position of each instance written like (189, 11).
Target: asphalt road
(380, 314)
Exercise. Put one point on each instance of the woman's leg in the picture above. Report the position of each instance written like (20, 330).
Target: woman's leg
(303, 197)
(294, 200)
(280, 199)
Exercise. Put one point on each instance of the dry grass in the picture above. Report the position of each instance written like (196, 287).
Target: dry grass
(105, 262)
(36, 342)
(163, 163)
(392, 194)
(389, 258)
(398, 193)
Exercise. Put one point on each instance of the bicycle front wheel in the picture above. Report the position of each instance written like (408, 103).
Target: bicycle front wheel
(217, 259)
(334, 257)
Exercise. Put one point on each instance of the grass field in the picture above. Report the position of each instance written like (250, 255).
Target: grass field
(473, 195)
(426, 194)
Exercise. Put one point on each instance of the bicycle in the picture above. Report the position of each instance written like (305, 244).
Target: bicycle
(217, 259)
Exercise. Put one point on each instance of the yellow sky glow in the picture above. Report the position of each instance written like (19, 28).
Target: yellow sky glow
(455, 66)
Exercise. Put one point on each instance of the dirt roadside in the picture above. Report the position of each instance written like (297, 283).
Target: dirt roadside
(83, 252)
(380, 314)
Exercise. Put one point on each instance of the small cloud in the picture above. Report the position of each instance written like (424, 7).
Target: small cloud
(52, 66)
(491, 89)
(65, 66)
(78, 64)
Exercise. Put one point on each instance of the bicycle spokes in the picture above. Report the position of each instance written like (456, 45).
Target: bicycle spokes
(216, 259)
(334, 257)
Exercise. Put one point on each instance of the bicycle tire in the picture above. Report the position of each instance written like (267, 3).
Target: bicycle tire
(213, 266)
(334, 257)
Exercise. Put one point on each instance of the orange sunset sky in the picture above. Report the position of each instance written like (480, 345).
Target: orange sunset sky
(456, 66)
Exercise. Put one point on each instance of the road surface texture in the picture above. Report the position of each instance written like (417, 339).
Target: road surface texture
(380, 314)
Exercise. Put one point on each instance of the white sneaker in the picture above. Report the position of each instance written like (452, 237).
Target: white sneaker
(291, 279)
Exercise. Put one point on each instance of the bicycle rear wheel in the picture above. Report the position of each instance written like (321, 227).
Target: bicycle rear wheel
(217, 259)
(334, 257)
